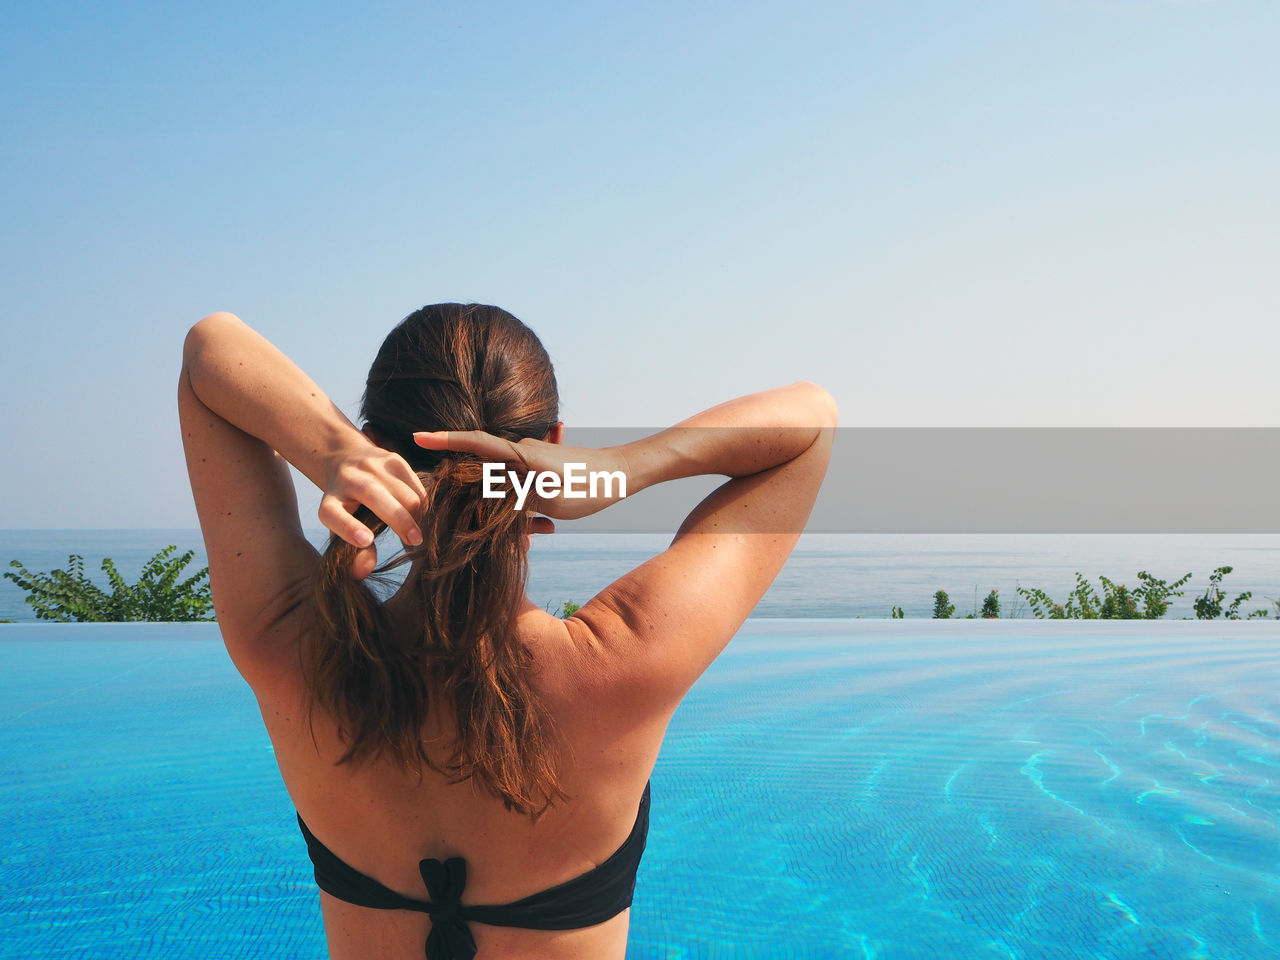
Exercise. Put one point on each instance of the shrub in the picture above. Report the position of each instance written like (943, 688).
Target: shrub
(943, 608)
(1209, 607)
(68, 595)
(1116, 603)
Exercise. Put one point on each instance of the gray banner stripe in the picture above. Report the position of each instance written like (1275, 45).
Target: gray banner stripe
(1008, 480)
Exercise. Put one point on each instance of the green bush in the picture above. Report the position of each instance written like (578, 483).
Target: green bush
(1209, 607)
(1121, 603)
(69, 596)
(1148, 601)
(565, 610)
(1116, 603)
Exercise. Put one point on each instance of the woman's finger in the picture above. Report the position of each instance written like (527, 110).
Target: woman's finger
(340, 521)
(413, 502)
(365, 562)
(401, 470)
(405, 487)
(478, 442)
(393, 512)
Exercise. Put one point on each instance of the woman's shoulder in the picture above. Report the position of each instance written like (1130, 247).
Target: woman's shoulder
(566, 656)
(608, 727)
(593, 679)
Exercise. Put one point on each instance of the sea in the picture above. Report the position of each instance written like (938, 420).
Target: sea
(829, 576)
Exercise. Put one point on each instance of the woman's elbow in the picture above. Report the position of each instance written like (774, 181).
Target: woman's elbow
(824, 406)
(202, 330)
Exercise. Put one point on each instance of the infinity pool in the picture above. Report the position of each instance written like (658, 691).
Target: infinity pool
(862, 789)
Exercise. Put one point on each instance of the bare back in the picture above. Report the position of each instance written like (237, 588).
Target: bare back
(382, 820)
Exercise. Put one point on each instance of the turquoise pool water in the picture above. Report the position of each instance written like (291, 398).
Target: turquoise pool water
(886, 789)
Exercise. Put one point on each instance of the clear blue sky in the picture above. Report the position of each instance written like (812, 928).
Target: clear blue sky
(950, 214)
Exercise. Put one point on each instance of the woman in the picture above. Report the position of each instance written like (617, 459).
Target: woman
(469, 771)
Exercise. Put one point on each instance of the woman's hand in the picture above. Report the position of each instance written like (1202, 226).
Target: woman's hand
(541, 457)
(370, 476)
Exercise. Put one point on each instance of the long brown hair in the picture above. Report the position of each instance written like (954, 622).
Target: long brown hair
(448, 366)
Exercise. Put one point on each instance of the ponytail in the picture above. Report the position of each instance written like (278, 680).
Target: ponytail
(379, 684)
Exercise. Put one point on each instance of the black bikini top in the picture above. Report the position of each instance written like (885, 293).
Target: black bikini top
(590, 898)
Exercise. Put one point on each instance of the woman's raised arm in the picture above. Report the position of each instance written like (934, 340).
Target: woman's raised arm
(657, 628)
(738, 438)
(245, 409)
(668, 618)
